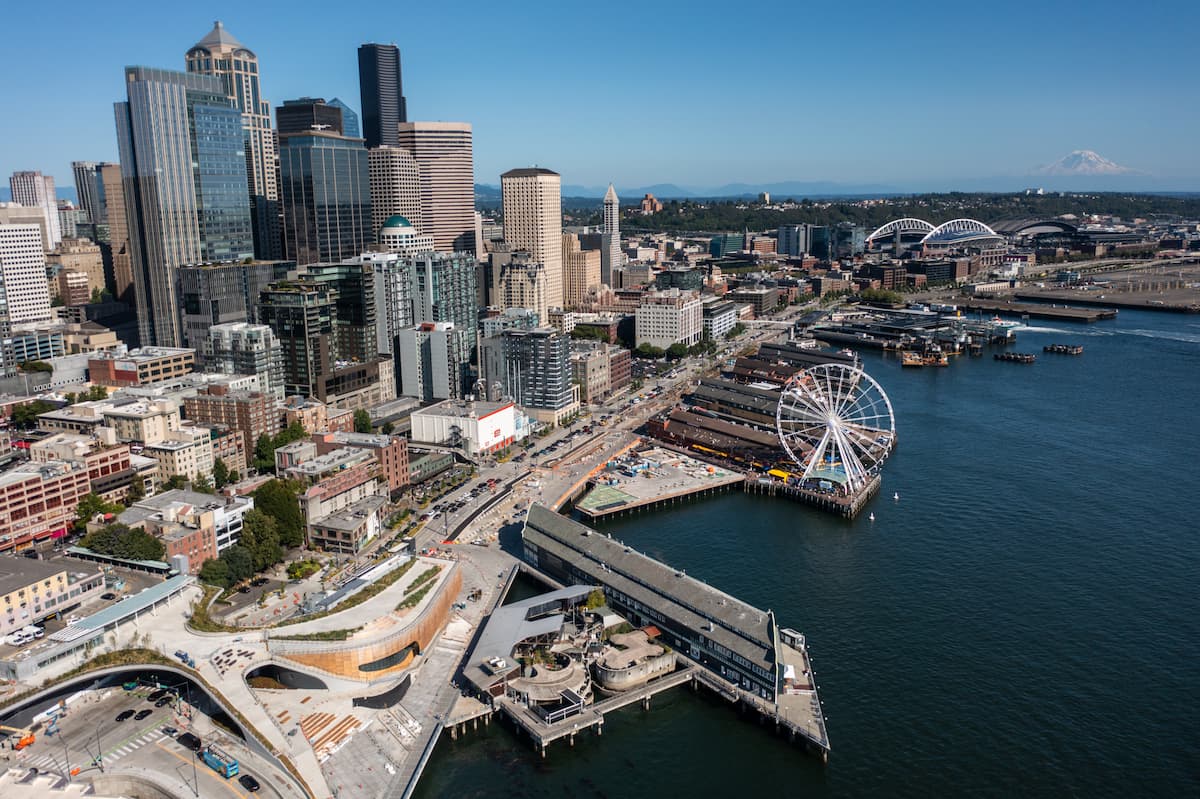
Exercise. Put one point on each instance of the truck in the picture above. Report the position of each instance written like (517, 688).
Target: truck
(219, 761)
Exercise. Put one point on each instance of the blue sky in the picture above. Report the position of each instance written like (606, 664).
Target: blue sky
(692, 93)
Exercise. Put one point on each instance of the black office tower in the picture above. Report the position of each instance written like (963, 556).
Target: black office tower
(382, 93)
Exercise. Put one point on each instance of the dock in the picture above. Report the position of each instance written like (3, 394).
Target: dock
(735, 649)
(651, 479)
(1035, 310)
(1140, 301)
(845, 506)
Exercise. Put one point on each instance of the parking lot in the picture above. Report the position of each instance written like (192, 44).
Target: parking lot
(100, 732)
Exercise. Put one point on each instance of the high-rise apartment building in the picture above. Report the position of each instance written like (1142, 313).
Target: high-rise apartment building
(354, 323)
(382, 92)
(395, 186)
(118, 259)
(222, 56)
(533, 367)
(610, 250)
(443, 152)
(302, 315)
(24, 293)
(89, 190)
(443, 290)
(35, 190)
(350, 126)
(533, 222)
(326, 196)
(241, 348)
(581, 270)
(670, 317)
(433, 358)
(221, 293)
(183, 165)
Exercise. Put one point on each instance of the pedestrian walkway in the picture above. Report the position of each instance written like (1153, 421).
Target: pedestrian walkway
(51, 761)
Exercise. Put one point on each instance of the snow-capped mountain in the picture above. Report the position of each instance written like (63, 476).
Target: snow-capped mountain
(1084, 162)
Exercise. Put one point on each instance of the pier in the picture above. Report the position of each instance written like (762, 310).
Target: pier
(651, 479)
(1035, 310)
(730, 647)
(847, 506)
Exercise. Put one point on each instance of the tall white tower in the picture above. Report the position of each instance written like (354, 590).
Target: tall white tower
(35, 190)
(610, 251)
(533, 222)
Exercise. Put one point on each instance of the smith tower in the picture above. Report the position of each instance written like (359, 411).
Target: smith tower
(220, 55)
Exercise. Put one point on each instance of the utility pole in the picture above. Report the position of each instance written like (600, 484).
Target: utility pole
(66, 756)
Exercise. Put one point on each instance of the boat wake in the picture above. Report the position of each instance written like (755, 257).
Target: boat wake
(1190, 338)
(1061, 331)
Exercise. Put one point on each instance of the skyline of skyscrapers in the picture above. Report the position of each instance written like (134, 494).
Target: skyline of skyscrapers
(381, 89)
(222, 56)
(183, 167)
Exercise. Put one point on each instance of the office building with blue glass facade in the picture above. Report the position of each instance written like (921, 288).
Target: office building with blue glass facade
(325, 192)
(183, 167)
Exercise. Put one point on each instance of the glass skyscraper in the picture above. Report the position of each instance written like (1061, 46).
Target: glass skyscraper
(349, 119)
(183, 167)
(382, 93)
(326, 197)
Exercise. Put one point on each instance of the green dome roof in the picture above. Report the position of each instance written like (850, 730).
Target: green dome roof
(397, 221)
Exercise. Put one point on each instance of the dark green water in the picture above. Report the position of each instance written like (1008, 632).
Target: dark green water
(1025, 620)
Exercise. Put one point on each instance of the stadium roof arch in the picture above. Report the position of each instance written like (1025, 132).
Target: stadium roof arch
(1034, 226)
(905, 225)
(961, 231)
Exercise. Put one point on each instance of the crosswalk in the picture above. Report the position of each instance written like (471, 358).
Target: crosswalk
(50, 762)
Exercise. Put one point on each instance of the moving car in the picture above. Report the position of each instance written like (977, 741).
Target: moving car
(124, 715)
(141, 714)
(249, 783)
(190, 741)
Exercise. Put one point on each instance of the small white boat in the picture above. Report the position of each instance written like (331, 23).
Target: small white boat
(896, 496)
(871, 518)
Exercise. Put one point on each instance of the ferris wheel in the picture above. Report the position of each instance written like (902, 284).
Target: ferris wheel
(836, 423)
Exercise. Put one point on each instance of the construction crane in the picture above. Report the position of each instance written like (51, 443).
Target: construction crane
(24, 737)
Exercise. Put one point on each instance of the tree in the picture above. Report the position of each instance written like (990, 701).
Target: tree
(220, 473)
(362, 421)
(137, 491)
(293, 432)
(388, 428)
(35, 366)
(234, 477)
(173, 482)
(645, 350)
(121, 541)
(677, 350)
(90, 506)
(24, 417)
(260, 536)
(264, 453)
(240, 563)
(277, 499)
(202, 485)
(215, 571)
(96, 393)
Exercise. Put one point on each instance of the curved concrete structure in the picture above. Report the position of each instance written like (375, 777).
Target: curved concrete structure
(623, 679)
(369, 659)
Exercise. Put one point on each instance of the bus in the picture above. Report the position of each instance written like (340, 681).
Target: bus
(220, 762)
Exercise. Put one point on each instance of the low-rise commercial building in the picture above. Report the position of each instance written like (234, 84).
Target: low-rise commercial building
(477, 427)
(38, 501)
(670, 317)
(390, 451)
(141, 367)
(33, 590)
(186, 528)
(349, 530)
(719, 318)
(187, 452)
(109, 468)
(333, 481)
(227, 513)
(251, 413)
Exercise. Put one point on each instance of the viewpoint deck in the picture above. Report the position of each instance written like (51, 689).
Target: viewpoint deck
(738, 648)
(651, 478)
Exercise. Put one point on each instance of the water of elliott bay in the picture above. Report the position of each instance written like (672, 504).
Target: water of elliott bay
(1025, 619)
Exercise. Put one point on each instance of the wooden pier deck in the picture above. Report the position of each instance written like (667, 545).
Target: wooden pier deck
(1035, 310)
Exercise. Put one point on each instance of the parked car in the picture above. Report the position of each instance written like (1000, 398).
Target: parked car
(108, 596)
(124, 715)
(171, 731)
